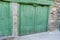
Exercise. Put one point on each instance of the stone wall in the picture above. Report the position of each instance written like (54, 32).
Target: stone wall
(52, 18)
(15, 19)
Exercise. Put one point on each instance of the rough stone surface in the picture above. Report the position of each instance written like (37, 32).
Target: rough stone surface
(52, 19)
(15, 19)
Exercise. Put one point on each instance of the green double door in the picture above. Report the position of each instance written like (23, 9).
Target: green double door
(32, 19)
(5, 19)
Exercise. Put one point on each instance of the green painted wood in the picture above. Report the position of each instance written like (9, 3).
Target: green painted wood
(41, 19)
(5, 19)
(43, 2)
(26, 19)
(32, 19)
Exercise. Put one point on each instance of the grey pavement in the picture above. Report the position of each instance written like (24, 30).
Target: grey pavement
(55, 35)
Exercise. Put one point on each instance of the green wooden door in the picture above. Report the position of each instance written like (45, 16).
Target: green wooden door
(26, 19)
(32, 19)
(5, 19)
(41, 19)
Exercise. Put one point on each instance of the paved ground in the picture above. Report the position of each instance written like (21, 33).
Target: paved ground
(6, 38)
(41, 36)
